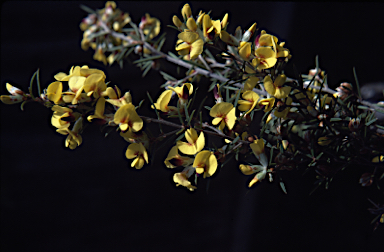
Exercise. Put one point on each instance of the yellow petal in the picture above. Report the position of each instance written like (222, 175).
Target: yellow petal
(54, 91)
(257, 146)
(231, 118)
(245, 50)
(282, 92)
(191, 24)
(188, 36)
(196, 48)
(220, 109)
(186, 148)
(269, 86)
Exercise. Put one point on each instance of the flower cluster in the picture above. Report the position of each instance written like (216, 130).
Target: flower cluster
(304, 122)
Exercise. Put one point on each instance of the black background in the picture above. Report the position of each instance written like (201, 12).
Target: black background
(89, 199)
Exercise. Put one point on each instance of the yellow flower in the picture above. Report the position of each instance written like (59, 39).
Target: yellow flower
(181, 178)
(194, 145)
(224, 114)
(150, 25)
(99, 110)
(84, 71)
(163, 101)
(211, 28)
(175, 160)
(258, 149)
(62, 117)
(191, 24)
(180, 25)
(245, 50)
(54, 91)
(186, 11)
(95, 84)
(139, 153)
(249, 102)
(74, 138)
(250, 83)
(118, 101)
(229, 39)
(266, 103)
(276, 88)
(99, 55)
(189, 43)
(265, 58)
(16, 95)
(205, 162)
(127, 118)
(183, 92)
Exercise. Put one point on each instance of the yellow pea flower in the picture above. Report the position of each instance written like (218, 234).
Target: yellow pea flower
(84, 71)
(175, 160)
(229, 39)
(186, 11)
(163, 101)
(127, 118)
(119, 101)
(62, 117)
(249, 102)
(137, 152)
(99, 110)
(74, 138)
(224, 114)
(266, 40)
(205, 162)
(191, 24)
(211, 28)
(180, 25)
(250, 83)
(258, 149)
(181, 178)
(245, 50)
(190, 44)
(266, 103)
(16, 95)
(276, 88)
(54, 91)
(99, 55)
(265, 58)
(150, 25)
(183, 92)
(194, 145)
(94, 85)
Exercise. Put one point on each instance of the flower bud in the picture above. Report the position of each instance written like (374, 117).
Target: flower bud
(186, 11)
(176, 21)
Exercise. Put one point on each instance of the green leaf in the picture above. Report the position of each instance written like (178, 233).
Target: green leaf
(167, 76)
(22, 105)
(30, 85)
(174, 27)
(38, 82)
(207, 107)
(87, 9)
(147, 58)
(336, 119)
(357, 83)
(146, 70)
(283, 187)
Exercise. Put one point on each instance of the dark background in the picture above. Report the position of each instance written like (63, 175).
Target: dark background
(89, 199)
